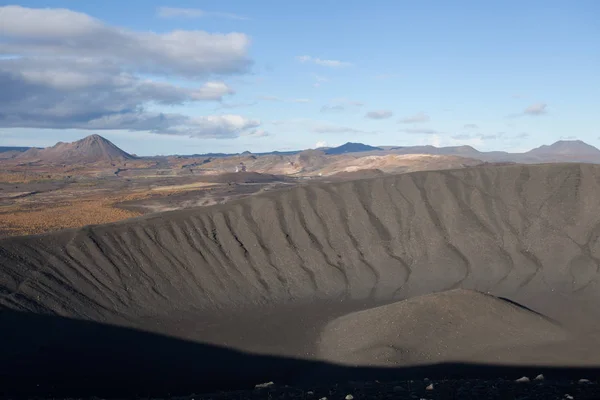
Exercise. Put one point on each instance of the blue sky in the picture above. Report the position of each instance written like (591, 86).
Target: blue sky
(272, 75)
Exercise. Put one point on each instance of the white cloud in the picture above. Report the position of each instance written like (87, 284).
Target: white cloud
(416, 118)
(74, 75)
(474, 137)
(536, 109)
(214, 126)
(236, 105)
(462, 137)
(58, 23)
(67, 70)
(269, 98)
(212, 91)
(321, 79)
(333, 108)
(347, 101)
(470, 126)
(379, 114)
(89, 95)
(421, 131)
(56, 33)
(324, 63)
(320, 144)
(341, 104)
(173, 12)
(258, 133)
(166, 93)
(338, 129)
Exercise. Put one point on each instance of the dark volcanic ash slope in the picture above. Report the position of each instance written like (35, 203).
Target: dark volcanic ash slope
(268, 273)
(457, 325)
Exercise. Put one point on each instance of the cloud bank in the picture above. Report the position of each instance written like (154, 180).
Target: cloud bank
(379, 114)
(175, 12)
(415, 119)
(65, 69)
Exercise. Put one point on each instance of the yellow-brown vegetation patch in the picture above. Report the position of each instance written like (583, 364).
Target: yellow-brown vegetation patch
(67, 215)
(28, 218)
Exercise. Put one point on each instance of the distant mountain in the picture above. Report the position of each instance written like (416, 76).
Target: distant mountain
(88, 150)
(566, 147)
(215, 155)
(280, 153)
(351, 148)
(246, 153)
(561, 151)
(95, 148)
(465, 151)
(4, 149)
(10, 152)
(458, 150)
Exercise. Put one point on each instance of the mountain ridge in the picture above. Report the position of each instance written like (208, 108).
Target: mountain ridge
(351, 147)
(91, 149)
(566, 147)
(95, 148)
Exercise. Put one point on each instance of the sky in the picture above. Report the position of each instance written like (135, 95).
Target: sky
(183, 77)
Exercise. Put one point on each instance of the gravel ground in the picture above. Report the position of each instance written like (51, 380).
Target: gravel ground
(464, 389)
(446, 389)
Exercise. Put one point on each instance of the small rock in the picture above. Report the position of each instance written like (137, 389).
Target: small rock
(584, 381)
(523, 379)
(568, 397)
(349, 397)
(264, 385)
(323, 398)
(430, 387)
(540, 377)
(310, 393)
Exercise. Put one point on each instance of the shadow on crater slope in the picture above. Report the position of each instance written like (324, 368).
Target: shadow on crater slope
(288, 276)
(54, 356)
